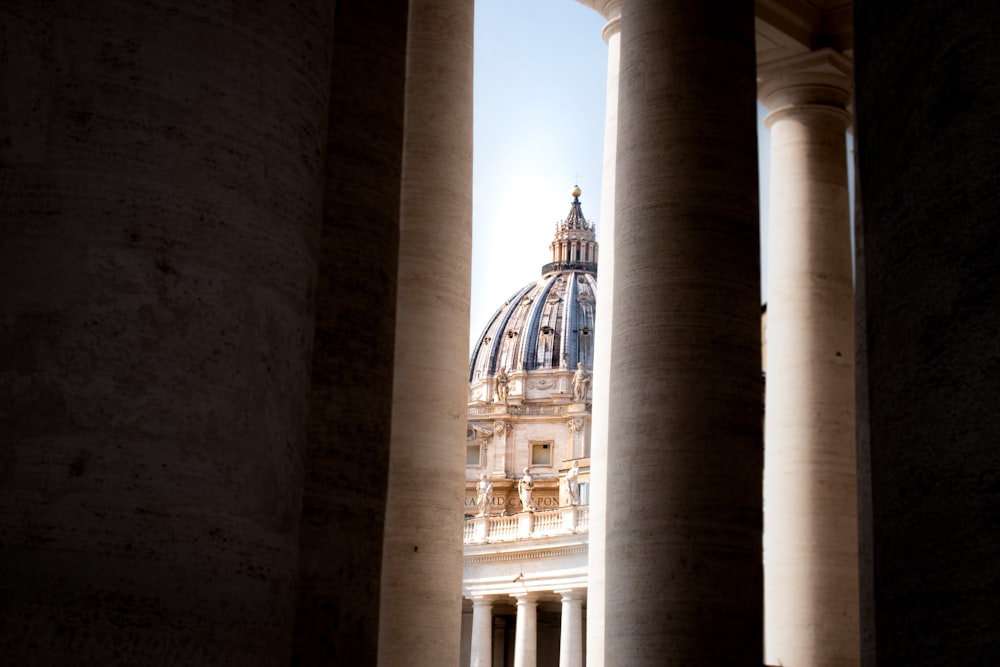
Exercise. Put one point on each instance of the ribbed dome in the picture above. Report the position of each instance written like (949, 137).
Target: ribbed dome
(547, 324)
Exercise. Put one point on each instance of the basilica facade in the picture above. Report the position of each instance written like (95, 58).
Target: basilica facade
(528, 462)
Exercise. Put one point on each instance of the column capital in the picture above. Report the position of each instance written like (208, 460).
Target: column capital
(571, 593)
(526, 597)
(609, 9)
(822, 77)
(483, 600)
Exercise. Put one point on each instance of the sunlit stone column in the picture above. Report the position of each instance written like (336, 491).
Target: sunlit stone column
(611, 10)
(420, 615)
(810, 532)
(526, 630)
(684, 442)
(482, 631)
(571, 629)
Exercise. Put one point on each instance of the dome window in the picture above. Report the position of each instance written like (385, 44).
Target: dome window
(585, 331)
(511, 334)
(546, 331)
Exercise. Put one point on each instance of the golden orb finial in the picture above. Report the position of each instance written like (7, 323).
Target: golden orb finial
(576, 191)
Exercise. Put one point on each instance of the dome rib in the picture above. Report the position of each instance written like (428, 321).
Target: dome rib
(529, 360)
(549, 323)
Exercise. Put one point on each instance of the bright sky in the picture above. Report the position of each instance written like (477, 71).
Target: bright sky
(540, 77)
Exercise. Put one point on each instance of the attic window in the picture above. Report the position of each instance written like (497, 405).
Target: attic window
(541, 453)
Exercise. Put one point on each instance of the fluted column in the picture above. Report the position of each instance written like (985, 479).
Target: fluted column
(610, 10)
(526, 630)
(420, 612)
(571, 629)
(482, 631)
(810, 532)
(684, 442)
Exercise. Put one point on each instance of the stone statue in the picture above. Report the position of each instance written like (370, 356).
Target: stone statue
(524, 488)
(502, 380)
(573, 483)
(484, 497)
(581, 383)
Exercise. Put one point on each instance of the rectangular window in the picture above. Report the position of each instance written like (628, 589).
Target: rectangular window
(472, 455)
(584, 493)
(541, 454)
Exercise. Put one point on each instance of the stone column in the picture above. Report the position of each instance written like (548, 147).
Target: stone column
(685, 441)
(482, 631)
(810, 496)
(571, 629)
(610, 10)
(929, 170)
(526, 630)
(420, 613)
(160, 201)
(351, 399)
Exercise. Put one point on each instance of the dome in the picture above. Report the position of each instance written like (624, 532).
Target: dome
(549, 323)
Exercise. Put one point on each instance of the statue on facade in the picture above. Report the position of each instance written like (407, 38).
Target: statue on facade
(573, 483)
(502, 381)
(581, 383)
(484, 496)
(524, 488)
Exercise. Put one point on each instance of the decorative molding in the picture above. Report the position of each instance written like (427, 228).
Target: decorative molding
(507, 557)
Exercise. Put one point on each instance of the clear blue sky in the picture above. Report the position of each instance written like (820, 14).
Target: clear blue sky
(540, 77)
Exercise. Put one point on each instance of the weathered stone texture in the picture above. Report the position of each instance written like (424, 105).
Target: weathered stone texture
(350, 406)
(684, 580)
(159, 200)
(927, 92)
(421, 603)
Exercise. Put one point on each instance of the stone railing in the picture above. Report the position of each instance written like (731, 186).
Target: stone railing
(527, 525)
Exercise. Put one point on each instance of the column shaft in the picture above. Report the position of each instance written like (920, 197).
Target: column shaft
(571, 630)
(526, 631)
(929, 170)
(482, 632)
(684, 443)
(810, 496)
(420, 614)
(159, 206)
(344, 499)
(602, 349)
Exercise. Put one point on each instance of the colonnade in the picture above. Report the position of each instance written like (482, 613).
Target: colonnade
(571, 630)
(202, 210)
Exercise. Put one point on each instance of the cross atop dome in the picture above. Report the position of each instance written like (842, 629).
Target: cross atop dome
(575, 244)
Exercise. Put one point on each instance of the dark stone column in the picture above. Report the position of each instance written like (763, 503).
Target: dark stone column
(159, 199)
(927, 115)
(351, 405)
(684, 580)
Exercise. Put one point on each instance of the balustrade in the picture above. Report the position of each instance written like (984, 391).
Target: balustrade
(547, 523)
